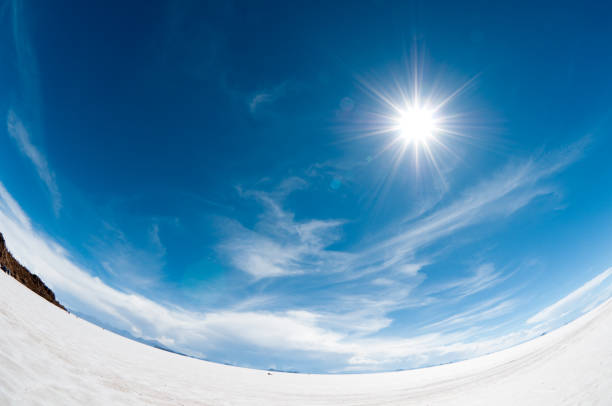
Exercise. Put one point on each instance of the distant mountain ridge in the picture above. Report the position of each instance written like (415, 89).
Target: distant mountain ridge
(11, 266)
(124, 333)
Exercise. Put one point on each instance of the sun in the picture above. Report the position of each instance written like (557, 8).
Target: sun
(411, 115)
(416, 125)
(418, 120)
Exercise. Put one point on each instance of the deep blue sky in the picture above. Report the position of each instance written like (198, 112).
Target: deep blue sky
(206, 175)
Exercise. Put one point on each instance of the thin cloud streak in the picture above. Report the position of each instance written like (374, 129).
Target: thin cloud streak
(484, 311)
(392, 268)
(508, 191)
(20, 127)
(570, 302)
(278, 245)
(268, 96)
(297, 330)
(264, 251)
(340, 326)
(20, 134)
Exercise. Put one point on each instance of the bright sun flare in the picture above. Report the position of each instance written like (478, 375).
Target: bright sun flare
(416, 125)
(414, 120)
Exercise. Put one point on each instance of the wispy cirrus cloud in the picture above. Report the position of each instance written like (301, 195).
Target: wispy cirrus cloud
(266, 97)
(506, 192)
(10, 205)
(340, 325)
(484, 277)
(20, 134)
(344, 338)
(296, 331)
(582, 299)
(20, 126)
(393, 264)
(277, 248)
(292, 252)
(483, 311)
(123, 261)
(277, 244)
(339, 334)
(262, 100)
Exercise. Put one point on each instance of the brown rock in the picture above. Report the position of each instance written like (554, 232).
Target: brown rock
(11, 266)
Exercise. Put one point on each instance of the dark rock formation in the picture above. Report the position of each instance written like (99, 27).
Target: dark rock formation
(11, 266)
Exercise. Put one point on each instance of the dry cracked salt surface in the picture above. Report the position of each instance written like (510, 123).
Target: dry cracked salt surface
(50, 357)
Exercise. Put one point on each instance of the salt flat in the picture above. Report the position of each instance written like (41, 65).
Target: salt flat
(50, 357)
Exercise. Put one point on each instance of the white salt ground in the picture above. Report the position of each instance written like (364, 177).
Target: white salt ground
(50, 357)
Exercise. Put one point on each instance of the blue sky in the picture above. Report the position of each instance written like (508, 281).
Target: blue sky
(229, 180)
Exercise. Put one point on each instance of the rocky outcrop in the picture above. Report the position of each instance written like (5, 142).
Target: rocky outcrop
(11, 266)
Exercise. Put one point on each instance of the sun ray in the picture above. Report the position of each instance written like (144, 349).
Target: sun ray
(420, 122)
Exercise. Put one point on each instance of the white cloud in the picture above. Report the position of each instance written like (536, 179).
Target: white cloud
(411, 269)
(340, 326)
(125, 262)
(29, 96)
(502, 195)
(342, 335)
(383, 282)
(267, 96)
(571, 301)
(280, 246)
(20, 134)
(484, 277)
(258, 99)
(487, 310)
(294, 251)
(10, 206)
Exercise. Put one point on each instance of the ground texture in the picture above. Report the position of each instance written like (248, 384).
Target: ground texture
(51, 357)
